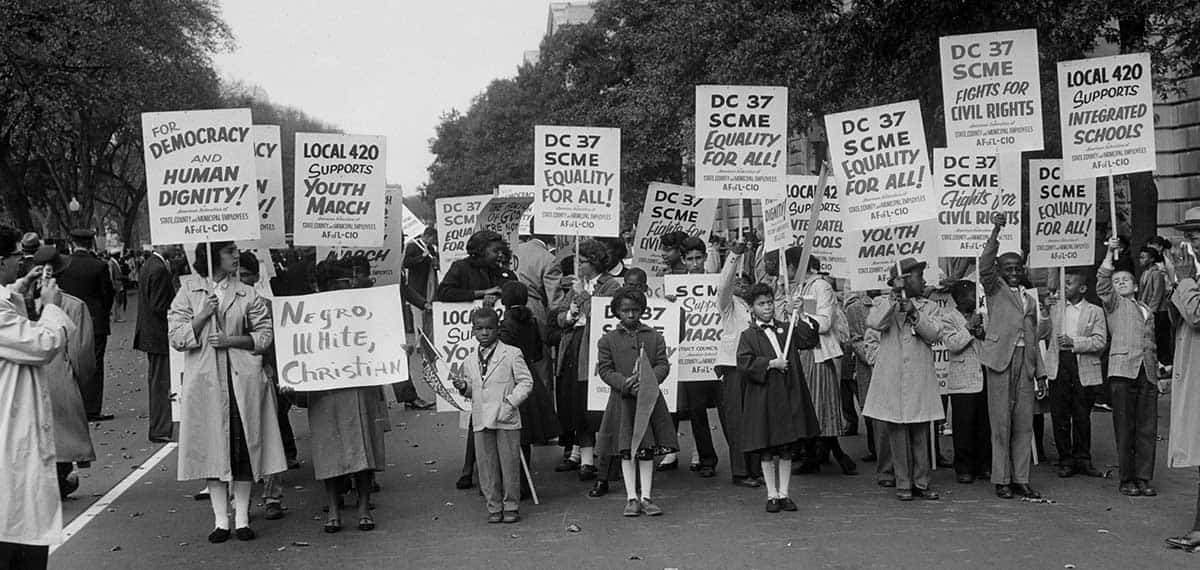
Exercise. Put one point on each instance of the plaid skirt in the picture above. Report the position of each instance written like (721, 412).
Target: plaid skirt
(824, 384)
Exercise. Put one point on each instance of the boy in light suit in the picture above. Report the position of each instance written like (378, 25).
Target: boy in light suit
(1078, 335)
(495, 377)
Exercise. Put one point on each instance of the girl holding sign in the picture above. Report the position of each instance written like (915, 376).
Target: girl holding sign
(228, 433)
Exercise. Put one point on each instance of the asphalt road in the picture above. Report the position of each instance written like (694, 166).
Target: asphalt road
(423, 521)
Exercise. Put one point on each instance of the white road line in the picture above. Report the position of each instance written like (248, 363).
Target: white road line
(113, 494)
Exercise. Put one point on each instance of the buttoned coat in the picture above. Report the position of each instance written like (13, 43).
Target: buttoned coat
(1130, 331)
(1090, 339)
(1183, 445)
(156, 290)
(904, 385)
(962, 352)
(495, 396)
(1010, 317)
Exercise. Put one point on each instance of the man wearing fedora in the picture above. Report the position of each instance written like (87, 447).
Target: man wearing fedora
(1183, 444)
(87, 277)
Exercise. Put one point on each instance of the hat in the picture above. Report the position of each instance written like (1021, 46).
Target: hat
(48, 254)
(907, 265)
(83, 235)
(30, 242)
(1191, 220)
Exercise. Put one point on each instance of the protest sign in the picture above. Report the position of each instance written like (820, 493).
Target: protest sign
(340, 339)
(455, 224)
(200, 176)
(991, 90)
(387, 260)
(340, 185)
(696, 296)
(520, 191)
(1107, 116)
(410, 225)
(829, 239)
(503, 216)
(948, 384)
(268, 168)
(741, 141)
(876, 251)
(777, 225)
(880, 158)
(668, 208)
(661, 315)
(453, 340)
(1062, 217)
(578, 172)
(971, 188)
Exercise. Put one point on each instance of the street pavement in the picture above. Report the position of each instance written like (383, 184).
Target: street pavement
(424, 522)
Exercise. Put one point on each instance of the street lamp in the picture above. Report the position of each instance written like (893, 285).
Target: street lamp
(74, 206)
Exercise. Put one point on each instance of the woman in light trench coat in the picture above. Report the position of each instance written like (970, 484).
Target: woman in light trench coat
(228, 432)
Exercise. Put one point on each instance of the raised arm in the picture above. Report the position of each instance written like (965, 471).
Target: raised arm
(880, 317)
(988, 275)
(954, 333)
(929, 323)
(728, 275)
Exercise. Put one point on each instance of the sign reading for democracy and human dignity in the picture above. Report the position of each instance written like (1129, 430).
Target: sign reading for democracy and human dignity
(453, 339)
(741, 141)
(1107, 116)
(455, 224)
(661, 315)
(829, 240)
(340, 186)
(700, 312)
(991, 92)
(880, 158)
(668, 208)
(876, 251)
(971, 187)
(200, 176)
(387, 260)
(578, 180)
(268, 167)
(340, 339)
(1062, 217)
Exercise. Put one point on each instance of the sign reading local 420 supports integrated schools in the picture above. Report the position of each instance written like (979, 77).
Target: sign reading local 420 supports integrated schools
(991, 92)
(1107, 115)
(200, 176)
(1062, 217)
(578, 180)
(340, 186)
(661, 315)
(830, 238)
(696, 296)
(876, 251)
(340, 339)
(741, 141)
(455, 224)
(668, 208)
(879, 155)
(268, 166)
(971, 187)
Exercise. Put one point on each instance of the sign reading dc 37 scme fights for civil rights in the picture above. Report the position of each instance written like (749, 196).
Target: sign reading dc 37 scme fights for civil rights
(340, 186)
(880, 157)
(992, 92)
(741, 141)
(971, 187)
(268, 166)
(340, 339)
(877, 249)
(1107, 116)
(668, 208)
(1062, 217)
(578, 179)
(200, 176)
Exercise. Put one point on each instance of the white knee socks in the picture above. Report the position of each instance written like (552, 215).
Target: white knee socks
(587, 456)
(241, 503)
(771, 478)
(218, 496)
(785, 477)
(629, 476)
(646, 476)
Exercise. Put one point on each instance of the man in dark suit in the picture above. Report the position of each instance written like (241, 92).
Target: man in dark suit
(156, 290)
(88, 278)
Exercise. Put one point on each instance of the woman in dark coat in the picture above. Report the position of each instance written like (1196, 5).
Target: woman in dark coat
(777, 409)
(539, 424)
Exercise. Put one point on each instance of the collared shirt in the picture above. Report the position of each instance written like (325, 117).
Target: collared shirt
(1020, 292)
(485, 358)
(772, 336)
(1071, 314)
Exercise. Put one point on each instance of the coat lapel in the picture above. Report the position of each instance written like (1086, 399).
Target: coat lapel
(499, 357)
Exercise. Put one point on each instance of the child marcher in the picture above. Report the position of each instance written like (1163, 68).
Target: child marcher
(1132, 375)
(777, 410)
(630, 357)
(496, 379)
(1077, 338)
(972, 435)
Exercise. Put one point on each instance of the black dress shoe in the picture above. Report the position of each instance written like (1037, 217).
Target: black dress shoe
(671, 466)
(1004, 491)
(706, 472)
(748, 482)
(567, 464)
(927, 494)
(1187, 543)
(587, 472)
(966, 478)
(464, 482)
(1089, 471)
(218, 535)
(869, 458)
(887, 483)
(847, 465)
(1146, 489)
(1129, 489)
(1065, 471)
(495, 518)
(244, 533)
(419, 404)
(598, 490)
(1023, 490)
(100, 418)
(773, 506)
(787, 504)
(274, 511)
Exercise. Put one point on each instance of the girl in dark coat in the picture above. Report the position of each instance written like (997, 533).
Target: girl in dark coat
(777, 409)
(539, 424)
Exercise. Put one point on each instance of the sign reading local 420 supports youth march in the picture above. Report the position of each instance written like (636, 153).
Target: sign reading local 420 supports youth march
(971, 187)
(340, 339)
(1062, 217)
(268, 166)
(200, 176)
(992, 92)
(879, 155)
(741, 141)
(455, 224)
(1107, 116)
(699, 348)
(661, 315)
(876, 251)
(668, 208)
(340, 185)
(578, 180)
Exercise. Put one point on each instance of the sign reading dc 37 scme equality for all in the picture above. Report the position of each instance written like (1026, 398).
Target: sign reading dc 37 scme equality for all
(741, 141)
(577, 173)
(200, 176)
